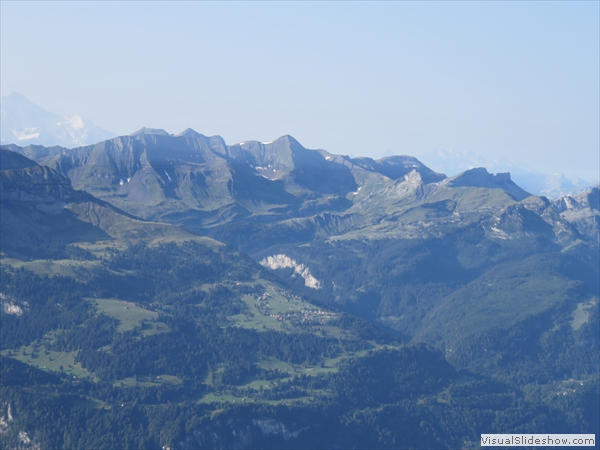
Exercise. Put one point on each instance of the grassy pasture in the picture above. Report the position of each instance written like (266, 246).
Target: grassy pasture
(63, 267)
(130, 315)
(44, 359)
(581, 314)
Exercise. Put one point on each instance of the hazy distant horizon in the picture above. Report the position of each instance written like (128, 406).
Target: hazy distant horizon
(513, 80)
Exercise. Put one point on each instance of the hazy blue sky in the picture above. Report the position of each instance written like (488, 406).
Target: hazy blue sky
(517, 79)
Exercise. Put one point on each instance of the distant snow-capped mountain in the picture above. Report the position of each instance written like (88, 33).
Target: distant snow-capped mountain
(25, 123)
(557, 185)
(553, 186)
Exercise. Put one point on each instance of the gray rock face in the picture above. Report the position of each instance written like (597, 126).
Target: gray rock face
(583, 211)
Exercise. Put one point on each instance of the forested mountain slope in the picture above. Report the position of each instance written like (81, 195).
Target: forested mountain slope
(183, 345)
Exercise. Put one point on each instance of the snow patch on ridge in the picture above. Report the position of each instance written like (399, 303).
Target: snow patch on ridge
(282, 261)
(26, 134)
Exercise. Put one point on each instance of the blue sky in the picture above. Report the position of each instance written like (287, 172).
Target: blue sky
(512, 79)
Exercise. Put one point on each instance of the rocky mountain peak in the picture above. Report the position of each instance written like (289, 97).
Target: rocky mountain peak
(396, 167)
(480, 177)
(145, 131)
(188, 132)
(288, 139)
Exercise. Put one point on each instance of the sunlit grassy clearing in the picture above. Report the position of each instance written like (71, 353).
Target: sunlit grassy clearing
(44, 359)
(63, 267)
(581, 314)
(130, 315)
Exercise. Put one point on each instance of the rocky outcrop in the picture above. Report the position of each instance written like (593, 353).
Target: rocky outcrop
(583, 212)
(285, 262)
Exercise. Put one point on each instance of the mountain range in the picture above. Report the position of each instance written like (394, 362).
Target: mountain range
(202, 184)
(275, 289)
(24, 123)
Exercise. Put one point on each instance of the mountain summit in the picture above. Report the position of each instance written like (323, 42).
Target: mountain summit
(24, 123)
